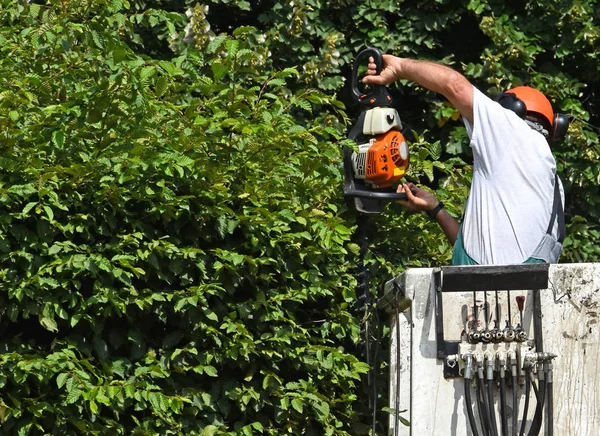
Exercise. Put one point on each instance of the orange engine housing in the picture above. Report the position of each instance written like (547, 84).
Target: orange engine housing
(387, 159)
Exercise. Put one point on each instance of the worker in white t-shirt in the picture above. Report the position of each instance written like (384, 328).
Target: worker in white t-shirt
(514, 212)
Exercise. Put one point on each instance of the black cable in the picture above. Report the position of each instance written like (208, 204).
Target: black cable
(503, 416)
(375, 361)
(486, 312)
(549, 406)
(483, 404)
(514, 404)
(539, 409)
(470, 406)
(497, 311)
(364, 298)
(526, 406)
(490, 392)
(397, 413)
(486, 336)
(509, 311)
(497, 335)
(475, 312)
(535, 389)
(549, 399)
(482, 407)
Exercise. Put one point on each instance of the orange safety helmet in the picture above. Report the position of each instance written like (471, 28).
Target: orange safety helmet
(534, 101)
(524, 99)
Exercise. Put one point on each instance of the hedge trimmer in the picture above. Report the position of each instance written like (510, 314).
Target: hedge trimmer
(382, 156)
(371, 170)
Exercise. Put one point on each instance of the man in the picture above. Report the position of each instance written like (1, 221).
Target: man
(510, 213)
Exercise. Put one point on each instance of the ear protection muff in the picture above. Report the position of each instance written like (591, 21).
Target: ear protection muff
(559, 127)
(510, 101)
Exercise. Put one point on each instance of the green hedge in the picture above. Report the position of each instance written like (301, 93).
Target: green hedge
(173, 257)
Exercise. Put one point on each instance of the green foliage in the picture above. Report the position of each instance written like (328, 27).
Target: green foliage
(159, 274)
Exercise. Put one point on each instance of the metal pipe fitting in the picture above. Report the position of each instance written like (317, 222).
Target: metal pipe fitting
(520, 335)
(497, 336)
(468, 358)
(474, 337)
(513, 363)
(509, 334)
(486, 337)
(489, 373)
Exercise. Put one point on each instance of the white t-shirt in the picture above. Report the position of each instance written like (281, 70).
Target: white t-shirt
(510, 203)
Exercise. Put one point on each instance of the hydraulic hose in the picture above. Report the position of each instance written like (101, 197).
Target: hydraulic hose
(397, 402)
(492, 413)
(539, 412)
(549, 406)
(503, 417)
(514, 404)
(483, 405)
(469, 405)
(525, 406)
(535, 388)
(489, 382)
(539, 409)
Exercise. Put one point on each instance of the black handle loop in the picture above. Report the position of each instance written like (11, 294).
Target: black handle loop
(379, 95)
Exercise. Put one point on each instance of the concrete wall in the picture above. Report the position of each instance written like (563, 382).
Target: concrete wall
(435, 405)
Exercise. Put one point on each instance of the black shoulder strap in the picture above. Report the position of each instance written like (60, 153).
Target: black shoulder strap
(557, 209)
(357, 129)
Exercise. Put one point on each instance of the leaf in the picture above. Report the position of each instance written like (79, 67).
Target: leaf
(211, 371)
(170, 68)
(209, 430)
(28, 207)
(435, 150)
(73, 396)
(49, 212)
(58, 137)
(34, 10)
(219, 71)
(302, 103)
(284, 403)
(147, 72)
(428, 170)
(162, 85)
(98, 39)
(216, 43)
(49, 324)
(232, 46)
(94, 407)
(297, 405)
(61, 379)
(210, 314)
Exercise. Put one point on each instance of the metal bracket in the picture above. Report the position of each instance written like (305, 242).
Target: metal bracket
(394, 299)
